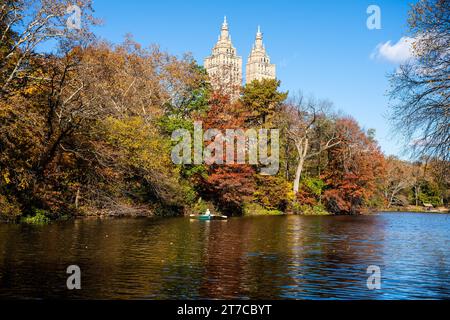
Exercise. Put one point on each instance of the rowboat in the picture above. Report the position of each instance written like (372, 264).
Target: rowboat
(203, 217)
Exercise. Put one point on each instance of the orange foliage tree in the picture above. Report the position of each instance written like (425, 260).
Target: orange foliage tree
(354, 170)
(227, 185)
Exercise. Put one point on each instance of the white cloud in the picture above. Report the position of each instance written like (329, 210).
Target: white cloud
(396, 53)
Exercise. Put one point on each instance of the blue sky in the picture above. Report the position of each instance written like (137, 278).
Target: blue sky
(322, 48)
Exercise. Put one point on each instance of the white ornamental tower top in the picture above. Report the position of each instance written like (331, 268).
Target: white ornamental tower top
(258, 63)
(224, 32)
(259, 39)
(224, 66)
(258, 45)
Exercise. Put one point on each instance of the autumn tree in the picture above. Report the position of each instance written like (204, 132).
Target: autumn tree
(418, 174)
(26, 24)
(81, 127)
(228, 185)
(354, 170)
(429, 182)
(303, 119)
(127, 89)
(25, 143)
(440, 173)
(82, 131)
(191, 97)
(398, 178)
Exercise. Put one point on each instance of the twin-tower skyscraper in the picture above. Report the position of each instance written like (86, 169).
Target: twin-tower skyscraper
(224, 66)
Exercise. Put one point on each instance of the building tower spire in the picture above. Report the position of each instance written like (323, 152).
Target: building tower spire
(224, 32)
(259, 39)
(258, 63)
(224, 66)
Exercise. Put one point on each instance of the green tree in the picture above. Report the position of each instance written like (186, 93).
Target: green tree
(262, 99)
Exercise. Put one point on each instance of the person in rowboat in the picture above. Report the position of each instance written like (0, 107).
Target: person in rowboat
(208, 213)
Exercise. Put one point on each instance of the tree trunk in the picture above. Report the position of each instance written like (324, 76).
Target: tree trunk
(286, 160)
(77, 198)
(416, 195)
(302, 148)
(298, 175)
(391, 198)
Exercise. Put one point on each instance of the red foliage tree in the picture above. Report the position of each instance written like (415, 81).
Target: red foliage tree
(355, 166)
(228, 185)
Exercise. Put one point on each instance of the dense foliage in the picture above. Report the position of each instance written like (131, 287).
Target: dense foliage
(87, 130)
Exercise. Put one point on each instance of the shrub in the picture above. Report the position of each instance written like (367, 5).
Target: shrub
(255, 209)
(317, 210)
(9, 210)
(273, 193)
(40, 217)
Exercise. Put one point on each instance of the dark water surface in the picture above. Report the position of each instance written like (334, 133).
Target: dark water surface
(290, 257)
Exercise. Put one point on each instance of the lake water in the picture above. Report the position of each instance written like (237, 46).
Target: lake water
(288, 257)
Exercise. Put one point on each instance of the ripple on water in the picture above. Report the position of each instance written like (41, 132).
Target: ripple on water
(262, 258)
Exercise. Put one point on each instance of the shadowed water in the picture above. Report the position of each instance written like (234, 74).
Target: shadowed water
(291, 257)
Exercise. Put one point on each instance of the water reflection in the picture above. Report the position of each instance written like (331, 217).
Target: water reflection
(261, 258)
